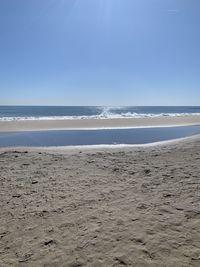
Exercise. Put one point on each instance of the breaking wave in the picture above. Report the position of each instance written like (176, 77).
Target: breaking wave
(102, 113)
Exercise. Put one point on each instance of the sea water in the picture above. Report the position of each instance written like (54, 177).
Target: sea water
(130, 136)
(11, 113)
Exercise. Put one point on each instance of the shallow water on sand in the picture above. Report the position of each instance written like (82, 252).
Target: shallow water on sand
(96, 137)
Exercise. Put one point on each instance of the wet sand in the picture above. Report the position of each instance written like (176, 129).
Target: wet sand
(37, 125)
(101, 207)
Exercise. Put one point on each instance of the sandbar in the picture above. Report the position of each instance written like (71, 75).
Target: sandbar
(39, 125)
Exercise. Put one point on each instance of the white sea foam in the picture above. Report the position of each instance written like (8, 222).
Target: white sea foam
(106, 114)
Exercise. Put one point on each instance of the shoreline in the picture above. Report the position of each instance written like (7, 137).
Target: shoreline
(42, 125)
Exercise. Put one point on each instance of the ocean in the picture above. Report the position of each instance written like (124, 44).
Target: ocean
(10, 113)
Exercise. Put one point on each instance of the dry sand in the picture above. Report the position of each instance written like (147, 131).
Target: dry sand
(103, 207)
(8, 126)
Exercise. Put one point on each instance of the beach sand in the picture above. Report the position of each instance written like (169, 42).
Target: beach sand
(37, 125)
(101, 207)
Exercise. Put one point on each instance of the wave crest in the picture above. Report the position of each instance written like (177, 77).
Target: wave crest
(105, 114)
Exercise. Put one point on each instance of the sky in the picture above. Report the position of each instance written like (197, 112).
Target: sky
(99, 52)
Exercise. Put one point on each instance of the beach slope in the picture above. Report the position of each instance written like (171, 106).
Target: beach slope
(37, 125)
(103, 207)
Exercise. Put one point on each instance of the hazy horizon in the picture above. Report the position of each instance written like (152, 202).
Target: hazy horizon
(117, 106)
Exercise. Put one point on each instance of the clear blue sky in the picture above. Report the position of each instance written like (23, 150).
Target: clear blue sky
(100, 52)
